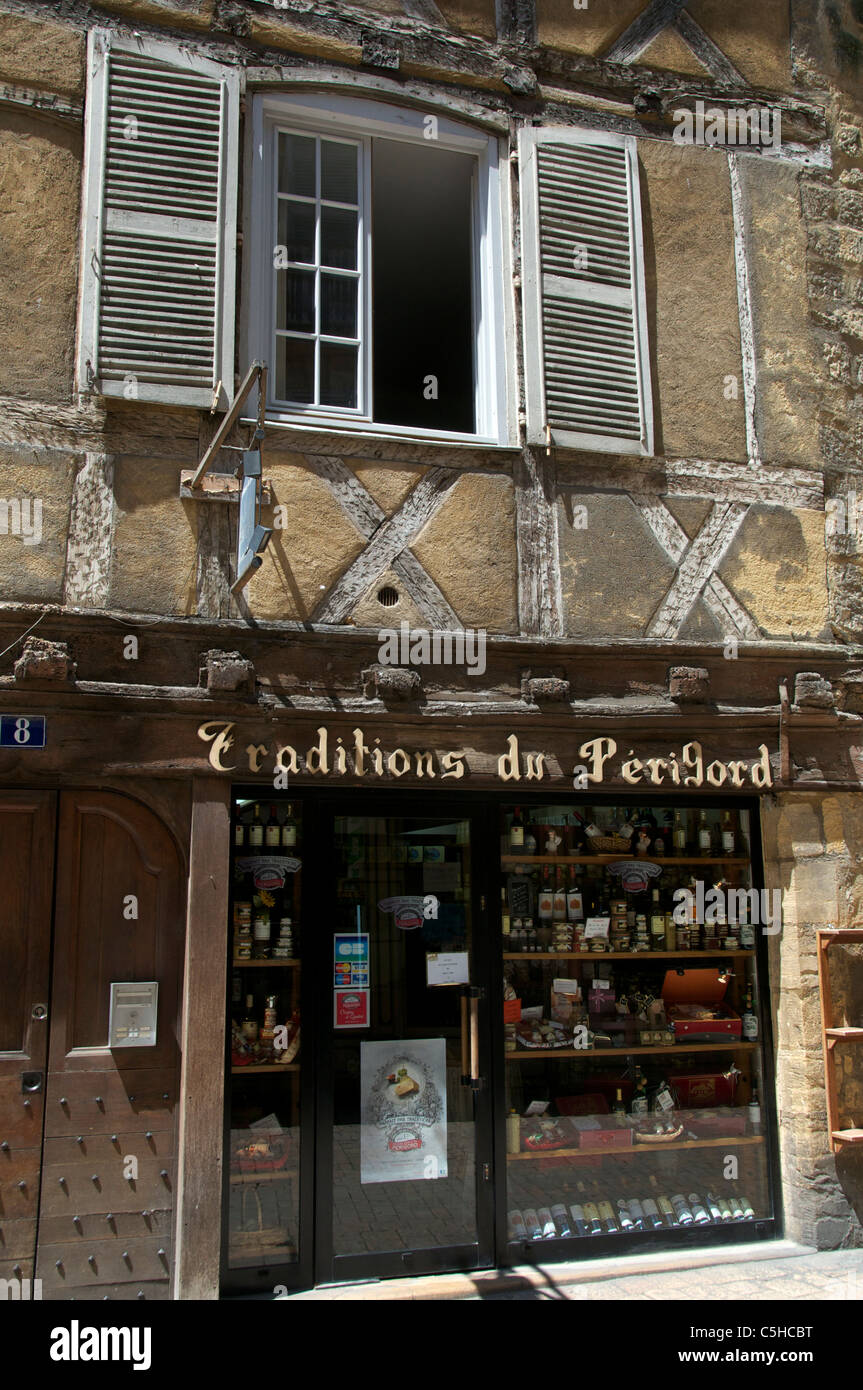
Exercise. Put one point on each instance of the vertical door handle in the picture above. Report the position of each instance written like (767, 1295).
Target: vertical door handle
(465, 1039)
(474, 1039)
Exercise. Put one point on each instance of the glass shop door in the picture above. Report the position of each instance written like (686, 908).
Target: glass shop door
(404, 1166)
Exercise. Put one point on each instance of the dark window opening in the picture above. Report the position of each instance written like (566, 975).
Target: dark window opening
(422, 312)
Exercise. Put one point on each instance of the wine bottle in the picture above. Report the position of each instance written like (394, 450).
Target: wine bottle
(239, 834)
(529, 836)
(678, 835)
(249, 1024)
(724, 1209)
(736, 1207)
(531, 1221)
(754, 1109)
(272, 830)
(713, 1207)
(657, 923)
(681, 1210)
(747, 1210)
(636, 1211)
(516, 830)
(667, 1211)
(576, 1211)
(618, 1108)
(749, 1018)
(652, 1218)
(289, 830)
(606, 1214)
(705, 839)
(623, 1216)
(546, 1223)
(256, 829)
(699, 1211)
(561, 1220)
(591, 1216)
(575, 896)
(729, 839)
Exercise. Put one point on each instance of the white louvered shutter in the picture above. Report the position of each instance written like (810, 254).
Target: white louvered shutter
(159, 232)
(585, 334)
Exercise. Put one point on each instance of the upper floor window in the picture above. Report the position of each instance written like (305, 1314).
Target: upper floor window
(375, 273)
(377, 276)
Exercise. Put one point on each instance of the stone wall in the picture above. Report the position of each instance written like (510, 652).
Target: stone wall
(813, 851)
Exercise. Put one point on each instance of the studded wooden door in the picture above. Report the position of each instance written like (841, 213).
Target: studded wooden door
(108, 1167)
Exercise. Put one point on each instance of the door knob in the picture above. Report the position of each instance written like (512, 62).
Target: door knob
(40, 1011)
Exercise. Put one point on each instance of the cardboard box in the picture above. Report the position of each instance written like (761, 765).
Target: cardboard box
(694, 1007)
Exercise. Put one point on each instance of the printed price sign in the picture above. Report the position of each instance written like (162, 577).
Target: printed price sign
(22, 731)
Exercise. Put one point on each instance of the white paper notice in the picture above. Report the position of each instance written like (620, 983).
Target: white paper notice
(447, 968)
(597, 926)
(403, 1134)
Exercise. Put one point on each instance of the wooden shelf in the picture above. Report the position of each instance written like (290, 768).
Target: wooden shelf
(731, 1140)
(259, 964)
(741, 860)
(620, 955)
(533, 1054)
(847, 1136)
(254, 1069)
(833, 1033)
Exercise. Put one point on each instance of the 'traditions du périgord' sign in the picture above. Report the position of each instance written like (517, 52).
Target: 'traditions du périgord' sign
(599, 761)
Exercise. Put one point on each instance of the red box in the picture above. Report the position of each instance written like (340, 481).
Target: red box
(589, 1104)
(696, 1089)
(614, 1134)
(690, 993)
(512, 1011)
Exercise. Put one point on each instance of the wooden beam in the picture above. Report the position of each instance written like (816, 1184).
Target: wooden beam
(202, 1089)
(643, 30)
(225, 427)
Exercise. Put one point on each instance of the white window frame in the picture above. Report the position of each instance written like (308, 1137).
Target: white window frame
(328, 113)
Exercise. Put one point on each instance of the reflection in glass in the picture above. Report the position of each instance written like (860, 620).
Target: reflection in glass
(339, 237)
(297, 165)
(295, 369)
(296, 300)
(338, 375)
(297, 230)
(339, 305)
(338, 172)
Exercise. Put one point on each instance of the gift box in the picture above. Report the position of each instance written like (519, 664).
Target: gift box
(596, 1135)
(697, 1089)
(694, 1007)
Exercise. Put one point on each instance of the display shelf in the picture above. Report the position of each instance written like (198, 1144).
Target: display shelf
(833, 1033)
(734, 1045)
(731, 1140)
(262, 1068)
(621, 955)
(741, 860)
(259, 964)
(847, 1136)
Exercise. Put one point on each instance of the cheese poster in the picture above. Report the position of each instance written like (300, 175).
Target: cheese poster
(403, 1110)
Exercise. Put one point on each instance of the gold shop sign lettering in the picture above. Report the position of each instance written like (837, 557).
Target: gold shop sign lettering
(600, 761)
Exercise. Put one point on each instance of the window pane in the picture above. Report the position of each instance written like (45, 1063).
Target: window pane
(297, 230)
(338, 237)
(338, 172)
(297, 165)
(295, 369)
(338, 375)
(339, 305)
(295, 291)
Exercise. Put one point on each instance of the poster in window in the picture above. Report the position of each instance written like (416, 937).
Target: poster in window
(403, 1122)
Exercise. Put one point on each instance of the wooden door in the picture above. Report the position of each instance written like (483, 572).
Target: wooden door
(26, 889)
(106, 1208)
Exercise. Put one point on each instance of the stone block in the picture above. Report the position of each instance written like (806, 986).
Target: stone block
(45, 661)
(228, 671)
(545, 689)
(392, 684)
(812, 691)
(813, 894)
(689, 684)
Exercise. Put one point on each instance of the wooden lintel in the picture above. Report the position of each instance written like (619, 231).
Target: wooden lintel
(218, 487)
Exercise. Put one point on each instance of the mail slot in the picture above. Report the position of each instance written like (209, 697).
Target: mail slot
(133, 1013)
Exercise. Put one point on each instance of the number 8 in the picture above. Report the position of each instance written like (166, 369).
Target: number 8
(22, 731)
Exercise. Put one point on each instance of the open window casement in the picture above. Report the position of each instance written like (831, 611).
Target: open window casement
(159, 227)
(586, 352)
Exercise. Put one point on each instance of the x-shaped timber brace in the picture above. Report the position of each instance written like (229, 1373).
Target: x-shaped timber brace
(252, 537)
